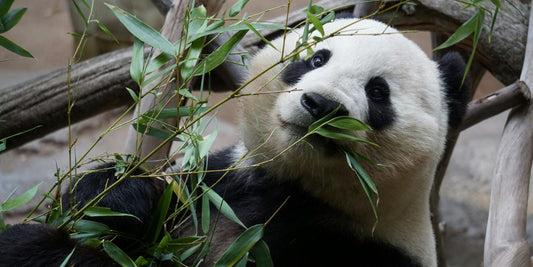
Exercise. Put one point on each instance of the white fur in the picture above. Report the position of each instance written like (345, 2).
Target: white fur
(410, 149)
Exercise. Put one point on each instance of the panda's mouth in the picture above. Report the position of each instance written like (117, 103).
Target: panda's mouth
(315, 141)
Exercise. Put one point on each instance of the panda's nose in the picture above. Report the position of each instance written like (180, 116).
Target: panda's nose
(318, 106)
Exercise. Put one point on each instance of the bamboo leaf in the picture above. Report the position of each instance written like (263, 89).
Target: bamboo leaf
(159, 215)
(11, 19)
(316, 22)
(106, 31)
(65, 261)
(205, 214)
(218, 56)
(221, 205)
(96, 211)
(20, 200)
(91, 227)
(261, 253)
(137, 62)
(170, 113)
(11, 46)
(237, 7)
(348, 123)
(192, 57)
(5, 5)
(251, 27)
(462, 32)
(205, 144)
(133, 95)
(142, 31)
(118, 254)
(341, 136)
(241, 246)
(152, 131)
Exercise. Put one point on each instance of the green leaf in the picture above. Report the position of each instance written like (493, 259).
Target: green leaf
(65, 261)
(192, 57)
(497, 3)
(137, 62)
(143, 32)
(80, 13)
(251, 27)
(348, 123)
(158, 62)
(261, 253)
(462, 32)
(133, 95)
(152, 131)
(366, 183)
(172, 113)
(316, 22)
(159, 215)
(328, 18)
(197, 20)
(106, 31)
(205, 214)
(243, 261)
(218, 56)
(11, 19)
(237, 7)
(20, 200)
(480, 19)
(341, 136)
(5, 5)
(241, 246)
(96, 211)
(11, 46)
(2, 145)
(315, 9)
(221, 205)
(205, 144)
(92, 227)
(118, 254)
(322, 121)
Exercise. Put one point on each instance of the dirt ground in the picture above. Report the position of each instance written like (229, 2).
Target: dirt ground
(44, 32)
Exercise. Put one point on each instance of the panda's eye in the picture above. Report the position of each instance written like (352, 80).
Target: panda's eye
(377, 89)
(320, 58)
(317, 61)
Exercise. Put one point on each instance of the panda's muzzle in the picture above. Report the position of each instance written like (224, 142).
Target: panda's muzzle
(319, 106)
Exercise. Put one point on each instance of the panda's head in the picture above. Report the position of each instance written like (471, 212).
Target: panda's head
(373, 73)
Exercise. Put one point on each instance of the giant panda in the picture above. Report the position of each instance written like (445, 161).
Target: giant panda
(366, 70)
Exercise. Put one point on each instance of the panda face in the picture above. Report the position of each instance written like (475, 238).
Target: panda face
(372, 73)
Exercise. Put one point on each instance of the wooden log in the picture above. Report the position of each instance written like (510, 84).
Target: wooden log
(506, 237)
(98, 84)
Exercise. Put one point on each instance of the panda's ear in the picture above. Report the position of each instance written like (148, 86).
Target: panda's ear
(452, 68)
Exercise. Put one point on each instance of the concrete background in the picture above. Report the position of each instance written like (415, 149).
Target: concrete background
(43, 31)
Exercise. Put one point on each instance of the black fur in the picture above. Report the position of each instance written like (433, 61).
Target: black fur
(136, 196)
(452, 68)
(380, 110)
(306, 231)
(40, 245)
(294, 72)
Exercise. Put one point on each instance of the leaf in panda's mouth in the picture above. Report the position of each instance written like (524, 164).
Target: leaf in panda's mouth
(329, 127)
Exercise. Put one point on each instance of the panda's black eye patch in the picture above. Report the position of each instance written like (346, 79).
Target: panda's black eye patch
(377, 89)
(294, 72)
(380, 110)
